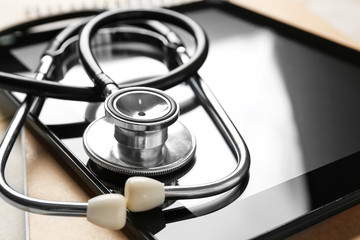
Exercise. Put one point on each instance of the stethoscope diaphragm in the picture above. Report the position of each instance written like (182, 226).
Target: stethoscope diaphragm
(140, 134)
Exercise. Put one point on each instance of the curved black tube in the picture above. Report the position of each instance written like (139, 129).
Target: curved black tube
(174, 77)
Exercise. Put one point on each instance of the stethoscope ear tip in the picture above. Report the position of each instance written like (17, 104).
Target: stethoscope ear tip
(108, 211)
(141, 194)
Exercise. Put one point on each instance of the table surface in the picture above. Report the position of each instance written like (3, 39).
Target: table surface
(310, 15)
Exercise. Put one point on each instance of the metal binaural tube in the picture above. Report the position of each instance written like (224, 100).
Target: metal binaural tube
(231, 135)
(17, 199)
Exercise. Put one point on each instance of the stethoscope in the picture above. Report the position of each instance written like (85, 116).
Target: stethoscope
(142, 135)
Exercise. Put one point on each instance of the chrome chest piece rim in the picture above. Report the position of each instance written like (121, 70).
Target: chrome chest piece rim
(140, 134)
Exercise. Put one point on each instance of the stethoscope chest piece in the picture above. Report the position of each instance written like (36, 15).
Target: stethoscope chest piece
(140, 134)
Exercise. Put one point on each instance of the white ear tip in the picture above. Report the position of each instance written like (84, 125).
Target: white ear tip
(108, 210)
(143, 194)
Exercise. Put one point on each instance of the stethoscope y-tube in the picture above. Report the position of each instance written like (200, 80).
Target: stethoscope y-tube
(97, 210)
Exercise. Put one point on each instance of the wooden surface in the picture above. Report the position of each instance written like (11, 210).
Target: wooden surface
(345, 225)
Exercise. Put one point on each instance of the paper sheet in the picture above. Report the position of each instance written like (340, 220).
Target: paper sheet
(19, 11)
